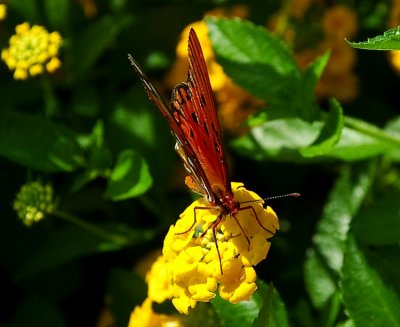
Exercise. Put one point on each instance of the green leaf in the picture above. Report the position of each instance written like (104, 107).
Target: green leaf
(330, 133)
(309, 80)
(383, 230)
(313, 73)
(241, 314)
(369, 298)
(354, 145)
(393, 128)
(136, 124)
(57, 14)
(318, 279)
(129, 178)
(38, 143)
(28, 9)
(343, 203)
(265, 308)
(93, 41)
(278, 138)
(100, 158)
(261, 64)
(272, 312)
(81, 180)
(390, 40)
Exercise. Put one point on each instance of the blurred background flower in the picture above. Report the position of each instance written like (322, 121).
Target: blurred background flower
(32, 51)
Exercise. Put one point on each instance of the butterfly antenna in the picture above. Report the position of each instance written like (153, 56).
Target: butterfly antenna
(290, 195)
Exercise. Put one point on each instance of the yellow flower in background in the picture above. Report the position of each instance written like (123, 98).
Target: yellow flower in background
(394, 57)
(340, 22)
(394, 14)
(394, 21)
(297, 8)
(33, 202)
(190, 268)
(89, 7)
(32, 50)
(3, 11)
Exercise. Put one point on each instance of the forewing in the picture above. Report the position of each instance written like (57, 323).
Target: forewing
(183, 147)
(195, 111)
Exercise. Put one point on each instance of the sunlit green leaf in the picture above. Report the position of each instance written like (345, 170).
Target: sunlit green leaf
(330, 133)
(319, 281)
(369, 297)
(390, 40)
(279, 138)
(343, 203)
(261, 64)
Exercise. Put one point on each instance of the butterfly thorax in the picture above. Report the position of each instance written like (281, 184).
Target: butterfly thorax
(228, 204)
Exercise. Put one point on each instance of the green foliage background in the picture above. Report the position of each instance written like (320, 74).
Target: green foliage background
(90, 131)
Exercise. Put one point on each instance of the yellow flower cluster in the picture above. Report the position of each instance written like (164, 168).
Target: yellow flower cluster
(234, 104)
(33, 202)
(32, 50)
(189, 269)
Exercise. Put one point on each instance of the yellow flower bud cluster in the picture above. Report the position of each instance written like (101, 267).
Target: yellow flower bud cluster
(32, 50)
(189, 269)
(33, 202)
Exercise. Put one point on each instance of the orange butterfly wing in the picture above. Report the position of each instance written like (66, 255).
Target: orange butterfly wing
(194, 123)
(195, 112)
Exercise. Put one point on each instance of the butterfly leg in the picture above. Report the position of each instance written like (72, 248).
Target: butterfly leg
(194, 220)
(214, 231)
(255, 215)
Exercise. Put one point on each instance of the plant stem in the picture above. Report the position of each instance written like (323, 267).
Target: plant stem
(371, 130)
(120, 239)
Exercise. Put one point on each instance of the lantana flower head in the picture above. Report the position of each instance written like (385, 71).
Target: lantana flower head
(32, 51)
(195, 265)
(33, 202)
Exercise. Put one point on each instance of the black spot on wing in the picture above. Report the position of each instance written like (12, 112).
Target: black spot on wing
(202, 101)
(206, 129)
(195, 118)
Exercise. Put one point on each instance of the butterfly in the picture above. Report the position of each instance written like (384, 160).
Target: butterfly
(193, 120)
